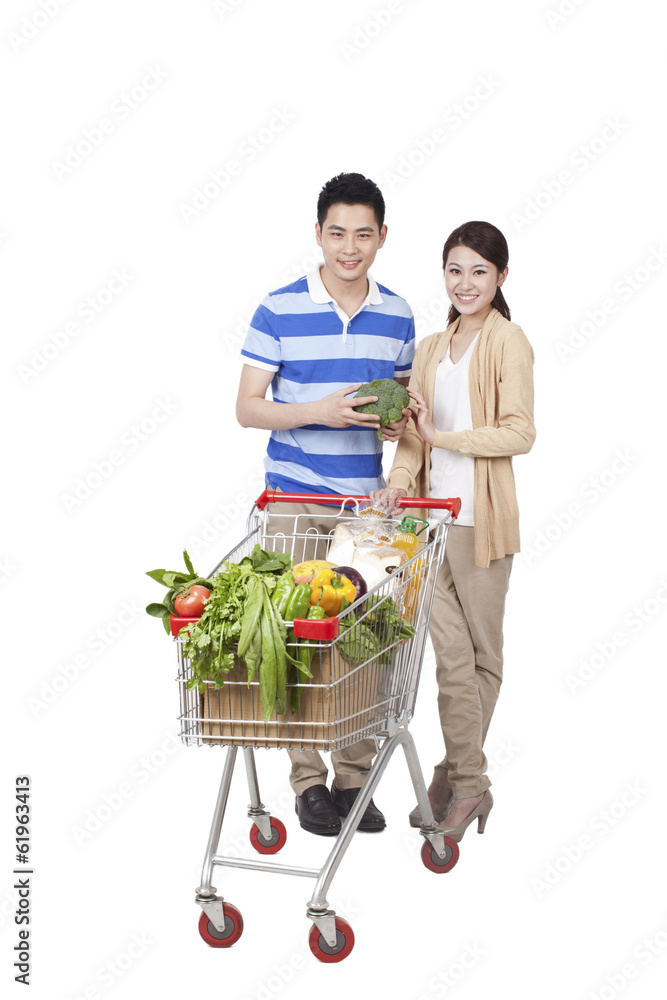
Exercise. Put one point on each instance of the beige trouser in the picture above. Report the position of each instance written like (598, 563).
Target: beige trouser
(351, 764)
(466, 628)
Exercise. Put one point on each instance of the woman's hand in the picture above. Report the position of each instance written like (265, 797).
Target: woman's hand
(389, 495)
(423, 423)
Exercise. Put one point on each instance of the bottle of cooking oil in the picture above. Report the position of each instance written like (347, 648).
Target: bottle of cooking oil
(405, 535)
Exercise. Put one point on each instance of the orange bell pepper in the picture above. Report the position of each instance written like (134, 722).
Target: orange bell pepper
(329, 589)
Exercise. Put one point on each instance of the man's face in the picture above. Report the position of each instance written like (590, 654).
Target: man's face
(350, 237)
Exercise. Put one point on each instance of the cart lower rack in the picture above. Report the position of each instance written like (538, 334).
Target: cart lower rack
(359, 688)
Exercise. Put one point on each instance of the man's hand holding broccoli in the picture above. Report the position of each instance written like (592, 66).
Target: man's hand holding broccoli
(391, 406)
(370, 410)
(336, 410)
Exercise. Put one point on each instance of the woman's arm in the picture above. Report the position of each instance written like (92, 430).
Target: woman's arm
(408, 461)
(411, 450)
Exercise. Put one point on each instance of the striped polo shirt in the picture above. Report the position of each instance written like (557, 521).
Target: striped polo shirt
(314, 348)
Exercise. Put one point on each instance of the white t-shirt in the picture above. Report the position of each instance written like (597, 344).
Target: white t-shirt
(453, 475)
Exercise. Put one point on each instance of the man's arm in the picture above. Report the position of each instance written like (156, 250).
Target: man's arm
(254, 410)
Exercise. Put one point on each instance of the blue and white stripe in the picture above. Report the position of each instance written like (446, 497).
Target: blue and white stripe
(298, 333)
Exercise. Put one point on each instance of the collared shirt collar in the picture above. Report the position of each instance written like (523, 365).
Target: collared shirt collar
(319, 293)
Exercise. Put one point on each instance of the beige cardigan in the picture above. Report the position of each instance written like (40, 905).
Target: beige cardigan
(501, 402)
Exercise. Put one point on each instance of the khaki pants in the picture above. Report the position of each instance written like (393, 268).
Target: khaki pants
(467, 632)
(351, 764)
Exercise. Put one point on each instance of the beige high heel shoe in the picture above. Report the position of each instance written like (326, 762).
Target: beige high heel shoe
(439, 815)
(480, 813)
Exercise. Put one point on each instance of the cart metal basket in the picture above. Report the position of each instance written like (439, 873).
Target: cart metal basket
(358, 689)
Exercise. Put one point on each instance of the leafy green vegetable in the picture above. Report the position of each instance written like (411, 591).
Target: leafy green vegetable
(267, 562)
(359, 644)
(158, 610)
(273, 667)
(241, 621)
(175, 581)
(374, 609)
(385, 617)
(381, 624)
(251, 615)
(210, 642)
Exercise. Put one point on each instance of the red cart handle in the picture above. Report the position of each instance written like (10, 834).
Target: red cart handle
(177, 622)
(322, 629)
(453, 504)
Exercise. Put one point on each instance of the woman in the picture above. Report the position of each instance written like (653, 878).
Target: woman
(472, 408)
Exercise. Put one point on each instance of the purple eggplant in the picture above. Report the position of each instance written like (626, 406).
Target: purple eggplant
(356, 578)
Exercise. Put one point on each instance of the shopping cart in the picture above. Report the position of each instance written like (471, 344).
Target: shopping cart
(351, 696)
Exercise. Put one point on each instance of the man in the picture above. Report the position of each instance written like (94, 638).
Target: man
(315, 342)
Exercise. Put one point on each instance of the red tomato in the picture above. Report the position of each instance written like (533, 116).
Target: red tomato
(190, 602)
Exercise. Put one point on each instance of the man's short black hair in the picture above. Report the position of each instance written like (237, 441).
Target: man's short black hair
(350, 189)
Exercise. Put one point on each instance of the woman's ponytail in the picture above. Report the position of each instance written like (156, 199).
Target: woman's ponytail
(500, 304)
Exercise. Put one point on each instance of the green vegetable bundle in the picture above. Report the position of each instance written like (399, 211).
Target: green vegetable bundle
(176, 581)
(241, 618)
(359, 644)
(381, 625)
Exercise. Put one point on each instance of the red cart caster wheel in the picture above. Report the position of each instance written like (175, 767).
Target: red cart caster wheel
(434, 862)
(343, 947)
(272, 846)
(232, 932)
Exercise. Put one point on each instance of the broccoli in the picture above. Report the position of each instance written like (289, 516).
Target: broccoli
(392, 399)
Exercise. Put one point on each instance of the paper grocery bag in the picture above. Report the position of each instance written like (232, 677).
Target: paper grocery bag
(341, 704)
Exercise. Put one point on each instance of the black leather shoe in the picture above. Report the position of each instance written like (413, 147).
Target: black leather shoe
(343, 799)
(316, 811)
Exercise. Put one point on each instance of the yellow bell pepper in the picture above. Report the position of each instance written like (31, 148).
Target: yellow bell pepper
(328, 590)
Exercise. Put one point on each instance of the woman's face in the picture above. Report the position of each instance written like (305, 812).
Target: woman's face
(471, 282)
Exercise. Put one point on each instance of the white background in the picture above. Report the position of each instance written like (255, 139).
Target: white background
(558, 896)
